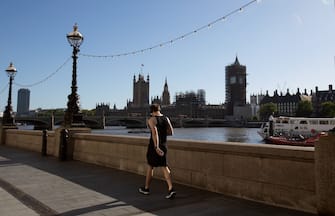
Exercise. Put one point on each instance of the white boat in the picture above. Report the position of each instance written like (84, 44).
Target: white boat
(295, 126)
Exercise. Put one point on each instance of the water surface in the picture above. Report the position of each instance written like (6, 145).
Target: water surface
(225, 134)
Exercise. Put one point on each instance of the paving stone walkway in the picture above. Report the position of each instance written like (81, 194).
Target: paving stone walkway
(34, 185)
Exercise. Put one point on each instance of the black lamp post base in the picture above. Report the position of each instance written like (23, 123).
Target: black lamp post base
(73, 120)
(77, 120)
(8, 119)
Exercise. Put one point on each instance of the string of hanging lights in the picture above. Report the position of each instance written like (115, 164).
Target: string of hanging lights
(46, 78)
(181, 37)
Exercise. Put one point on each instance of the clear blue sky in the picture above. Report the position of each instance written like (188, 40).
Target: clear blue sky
(283, 43)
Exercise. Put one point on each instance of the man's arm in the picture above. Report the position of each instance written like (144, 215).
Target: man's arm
(152, 124)
(169, 130)
(154, 132)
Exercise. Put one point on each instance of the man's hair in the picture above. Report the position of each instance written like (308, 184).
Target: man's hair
(155, 108)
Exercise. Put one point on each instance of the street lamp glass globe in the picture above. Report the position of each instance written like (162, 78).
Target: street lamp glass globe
(75, 38)
(11, 70)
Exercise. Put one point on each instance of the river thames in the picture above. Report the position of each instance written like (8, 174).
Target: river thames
(224, 134)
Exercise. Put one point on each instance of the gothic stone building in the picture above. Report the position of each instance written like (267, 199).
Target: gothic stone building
(140, 92)
(286, 104)
(320, 97)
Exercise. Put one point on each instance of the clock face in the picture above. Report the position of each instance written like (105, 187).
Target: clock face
(233, 80)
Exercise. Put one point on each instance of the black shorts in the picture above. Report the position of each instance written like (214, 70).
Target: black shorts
(154, 159)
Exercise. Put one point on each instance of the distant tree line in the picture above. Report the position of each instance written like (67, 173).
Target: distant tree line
(304, 109)
(60, 112)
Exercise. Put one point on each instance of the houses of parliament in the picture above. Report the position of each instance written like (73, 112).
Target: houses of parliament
(193, 104)
(189, 104)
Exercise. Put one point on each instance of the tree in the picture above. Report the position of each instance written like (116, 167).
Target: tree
(328, 109)
(88, 112)
(266, 110)
(304, 109)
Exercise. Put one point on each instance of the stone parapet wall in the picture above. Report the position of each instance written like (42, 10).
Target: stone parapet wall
(30, 140)
(120, 152)
(277, 175)
(325, 175)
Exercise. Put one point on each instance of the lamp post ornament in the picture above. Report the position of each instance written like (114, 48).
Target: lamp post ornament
(73, 116)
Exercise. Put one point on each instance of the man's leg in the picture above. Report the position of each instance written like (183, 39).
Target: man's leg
(167, 176)
(145, 190)
(150, 172)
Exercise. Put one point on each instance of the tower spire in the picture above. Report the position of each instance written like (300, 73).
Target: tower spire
(236, 61)
(166, 94)
(166, 88)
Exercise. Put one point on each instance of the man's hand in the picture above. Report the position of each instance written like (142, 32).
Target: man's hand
(159, 152)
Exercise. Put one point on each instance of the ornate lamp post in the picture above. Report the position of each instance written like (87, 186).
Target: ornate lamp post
(8, 119)
(73, 117)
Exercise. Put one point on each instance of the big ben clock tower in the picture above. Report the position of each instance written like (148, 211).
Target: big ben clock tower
(236, 85)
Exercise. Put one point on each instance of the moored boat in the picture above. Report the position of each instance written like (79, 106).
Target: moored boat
(295, 126)
(281, 140)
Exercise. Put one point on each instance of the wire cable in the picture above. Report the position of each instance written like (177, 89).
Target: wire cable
(240, 9)
(237, 10)
(46, 78)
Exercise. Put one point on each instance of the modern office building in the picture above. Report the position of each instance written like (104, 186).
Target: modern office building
(23, 102)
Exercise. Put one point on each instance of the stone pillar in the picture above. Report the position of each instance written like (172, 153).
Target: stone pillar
(52, 122)
(325, 175)
(103, 121)
(3, 129)
(2, 136)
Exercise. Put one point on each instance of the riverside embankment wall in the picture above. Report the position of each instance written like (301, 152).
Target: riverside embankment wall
(277, 175)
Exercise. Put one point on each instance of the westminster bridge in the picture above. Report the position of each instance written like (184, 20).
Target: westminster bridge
(99, 122)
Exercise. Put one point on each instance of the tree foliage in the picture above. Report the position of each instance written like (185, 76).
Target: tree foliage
(328, 109)
(88, 112)
(266, 110)
(304, 109)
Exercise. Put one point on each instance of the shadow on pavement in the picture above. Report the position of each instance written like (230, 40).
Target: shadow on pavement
(123, 187)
